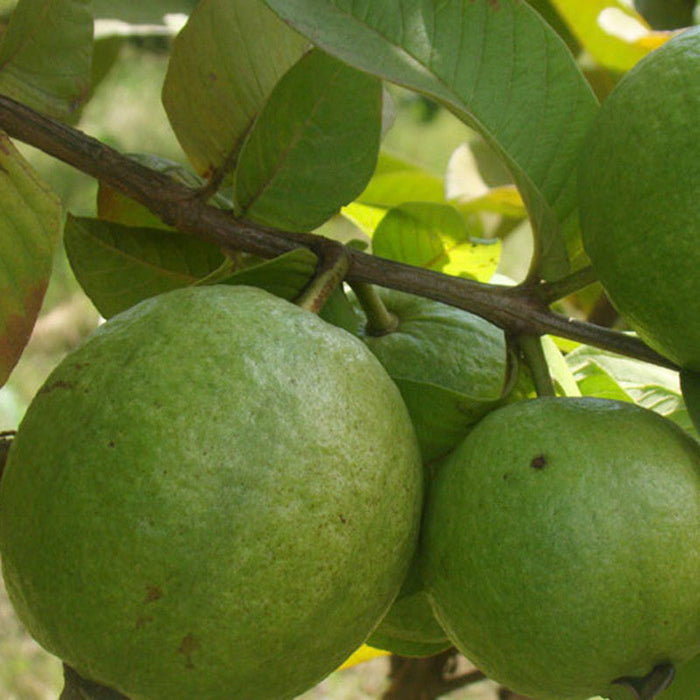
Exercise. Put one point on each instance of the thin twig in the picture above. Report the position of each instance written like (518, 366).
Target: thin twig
(517, 310)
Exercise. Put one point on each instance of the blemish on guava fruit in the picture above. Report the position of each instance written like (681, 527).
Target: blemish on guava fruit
(342, 519)
(538, 462)
(188, 646)
(153, 593)
(111, 443)
(59, 384)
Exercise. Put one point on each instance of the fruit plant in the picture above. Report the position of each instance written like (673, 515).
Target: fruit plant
(340, 399)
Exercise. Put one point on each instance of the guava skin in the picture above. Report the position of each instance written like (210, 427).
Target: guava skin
(217, 496)
(639, 198)
(686, 684)
(559, 560)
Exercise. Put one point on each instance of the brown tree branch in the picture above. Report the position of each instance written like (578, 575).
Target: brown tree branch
(427, 678)
(517, 310)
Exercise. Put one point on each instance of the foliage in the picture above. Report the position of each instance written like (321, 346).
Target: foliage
(283, 110)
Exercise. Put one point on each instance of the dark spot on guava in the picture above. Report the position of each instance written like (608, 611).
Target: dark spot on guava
(153, 593)
(111, 443)
(538, 462)
(59, 384)
(495, 4)
(188, 646)
(505, 477)
(81, 365)
(342, 519)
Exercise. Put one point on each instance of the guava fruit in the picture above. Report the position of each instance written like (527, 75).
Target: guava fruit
(639, 198)
(451, 367)
(217, 496)
(690, 385)
(561, 546)
(686, 684)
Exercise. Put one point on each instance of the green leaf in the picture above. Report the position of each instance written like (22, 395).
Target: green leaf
(396, 181)
(313, 147)
(45, 55)
(284, 276)
(223, 67)
(119, 266)
(434, 236)
(498, 66)
(30, 228)
(612, 32)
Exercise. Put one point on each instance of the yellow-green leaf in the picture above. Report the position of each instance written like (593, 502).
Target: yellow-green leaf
(610, 30)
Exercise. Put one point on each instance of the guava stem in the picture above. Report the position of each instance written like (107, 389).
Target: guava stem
(333, 267)
(651, 685)
(379, 319)
(531, 346)
(553, 291)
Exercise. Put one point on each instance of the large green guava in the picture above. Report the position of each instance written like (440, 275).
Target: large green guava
(217, 496)
(561, 546)
(639, 198)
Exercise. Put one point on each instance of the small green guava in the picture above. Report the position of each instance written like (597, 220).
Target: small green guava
(639, 194)
(561, 546)
(451, 367)
(217, 496)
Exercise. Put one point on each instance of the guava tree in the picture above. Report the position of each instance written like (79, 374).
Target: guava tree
(281, 107)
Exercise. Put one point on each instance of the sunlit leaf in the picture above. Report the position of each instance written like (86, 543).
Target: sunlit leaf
(560, 371)
(497, 66)
(30, 227)
(313, 146)
(653, 387)
(45, 55)
(364, 216)
(434, 236)
(610, 30)
(396, 181)
(466, 190)
(223, 66)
